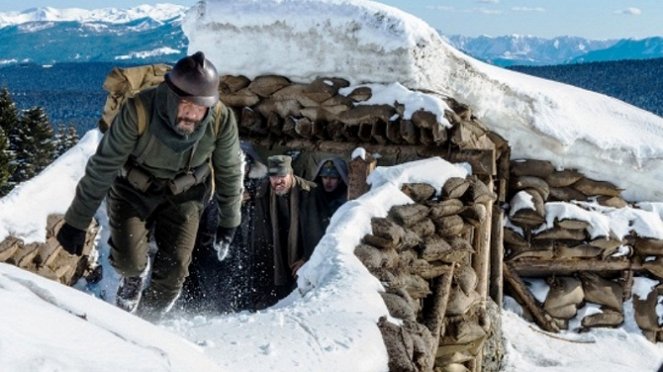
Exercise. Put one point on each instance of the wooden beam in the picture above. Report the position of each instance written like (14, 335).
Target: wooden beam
(433, 319)
(525, 298)
(497, 256)
(543, 267)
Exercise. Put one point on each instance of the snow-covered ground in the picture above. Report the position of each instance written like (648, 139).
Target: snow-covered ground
(329, 322)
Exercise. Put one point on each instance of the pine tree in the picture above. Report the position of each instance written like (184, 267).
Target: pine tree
(9, 126)
(36, 149)
(5, 158)
(65, 138)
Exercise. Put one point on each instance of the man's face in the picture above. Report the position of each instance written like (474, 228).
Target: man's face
(281, 184)
(329, 183)
(189, 116)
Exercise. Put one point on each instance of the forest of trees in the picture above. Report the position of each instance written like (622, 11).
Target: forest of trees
(28, 143)
(638, 82)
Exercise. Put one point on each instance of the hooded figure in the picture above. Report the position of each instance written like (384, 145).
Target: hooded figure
(331, 178)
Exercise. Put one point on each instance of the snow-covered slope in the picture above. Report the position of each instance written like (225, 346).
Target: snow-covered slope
(367, 41)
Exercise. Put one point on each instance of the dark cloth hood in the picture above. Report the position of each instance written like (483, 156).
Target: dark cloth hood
(341, 167)
(164, 122)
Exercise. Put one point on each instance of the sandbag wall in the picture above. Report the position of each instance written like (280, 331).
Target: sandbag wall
(581, 260)
(49, 259)
(272, 110)
(423, 253)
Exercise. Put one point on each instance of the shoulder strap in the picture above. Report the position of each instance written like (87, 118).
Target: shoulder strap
(141, 115)
(218, 111)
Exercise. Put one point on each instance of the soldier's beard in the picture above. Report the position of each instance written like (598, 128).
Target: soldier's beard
(186, 126)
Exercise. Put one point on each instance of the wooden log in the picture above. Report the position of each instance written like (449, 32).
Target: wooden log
(545, 267)
(359, 169)
(627, 283)
(426, 137)
(365, 131)
(433, 314)
(379, 132)
(394, 133)
(503, 170)
(497, 256)
(526, 299)
(409, 132)
(481, 259)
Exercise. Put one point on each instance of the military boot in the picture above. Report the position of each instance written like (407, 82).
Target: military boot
(129, 293)
(130, 290)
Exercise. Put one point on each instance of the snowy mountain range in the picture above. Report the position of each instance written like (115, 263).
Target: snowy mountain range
(531, 50)
(142, 34)
(152, 33)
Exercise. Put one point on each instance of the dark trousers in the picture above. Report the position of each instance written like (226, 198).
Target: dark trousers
(175, 222)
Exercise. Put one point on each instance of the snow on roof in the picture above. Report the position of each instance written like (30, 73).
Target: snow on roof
(368, 42)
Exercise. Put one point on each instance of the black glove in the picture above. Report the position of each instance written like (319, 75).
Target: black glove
(224, 235)
(71, 239)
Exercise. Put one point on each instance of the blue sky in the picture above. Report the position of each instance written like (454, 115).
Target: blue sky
(594, 19)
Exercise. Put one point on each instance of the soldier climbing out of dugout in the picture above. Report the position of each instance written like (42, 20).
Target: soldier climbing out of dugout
(160, 179)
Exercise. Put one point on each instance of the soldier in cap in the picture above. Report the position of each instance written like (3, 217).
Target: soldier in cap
(331, 178)
(159, 180)
(279, 229)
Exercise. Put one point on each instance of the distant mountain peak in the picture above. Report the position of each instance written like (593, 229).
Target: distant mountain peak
(158, 12)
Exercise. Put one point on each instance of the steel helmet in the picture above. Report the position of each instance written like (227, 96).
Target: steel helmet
(195, 78)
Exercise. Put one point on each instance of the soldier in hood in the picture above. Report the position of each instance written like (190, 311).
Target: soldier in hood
(331, 178)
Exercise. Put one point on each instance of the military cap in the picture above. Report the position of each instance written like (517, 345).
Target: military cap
(279, 165)
(329, 170)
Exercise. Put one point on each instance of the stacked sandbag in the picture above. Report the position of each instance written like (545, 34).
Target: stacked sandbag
(48, 259)
(422, 252)
(646, 315)
(534, 232)
(534, 184)
(272, 106)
